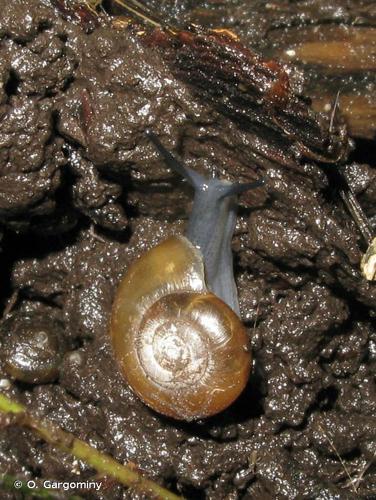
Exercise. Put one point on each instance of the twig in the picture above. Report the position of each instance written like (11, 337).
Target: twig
(66, 442)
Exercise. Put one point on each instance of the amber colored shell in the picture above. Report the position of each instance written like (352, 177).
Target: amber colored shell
(182, 350)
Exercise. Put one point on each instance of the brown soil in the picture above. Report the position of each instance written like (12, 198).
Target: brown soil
(83, 193)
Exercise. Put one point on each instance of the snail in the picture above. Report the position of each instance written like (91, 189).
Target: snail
(175, 327)
(32, 348)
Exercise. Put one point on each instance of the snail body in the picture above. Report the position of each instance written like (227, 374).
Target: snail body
(175, 327)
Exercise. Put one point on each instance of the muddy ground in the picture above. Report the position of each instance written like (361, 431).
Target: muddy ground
(83, 193)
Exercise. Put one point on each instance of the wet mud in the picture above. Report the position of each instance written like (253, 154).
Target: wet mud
(83, 193)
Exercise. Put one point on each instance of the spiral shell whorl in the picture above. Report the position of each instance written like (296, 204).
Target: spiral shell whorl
(172, 345)
(181, 348)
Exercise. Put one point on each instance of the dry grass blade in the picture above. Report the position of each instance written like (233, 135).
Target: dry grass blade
(139, 11)
(358, 479)
(332, 445)
(92, 5)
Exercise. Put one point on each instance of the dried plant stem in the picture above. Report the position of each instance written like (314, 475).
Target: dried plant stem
(338, 179)
(357, 213)
(66, 442)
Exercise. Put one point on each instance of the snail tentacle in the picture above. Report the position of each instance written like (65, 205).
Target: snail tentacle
(194, 178)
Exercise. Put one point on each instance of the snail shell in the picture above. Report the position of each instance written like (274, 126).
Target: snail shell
(31, 348)
(182, 350)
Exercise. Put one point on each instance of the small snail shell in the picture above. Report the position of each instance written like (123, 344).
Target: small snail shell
(181, 348)
(31, 349)
(175, 325)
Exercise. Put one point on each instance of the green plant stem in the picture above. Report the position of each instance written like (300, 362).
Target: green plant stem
(102, 462)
